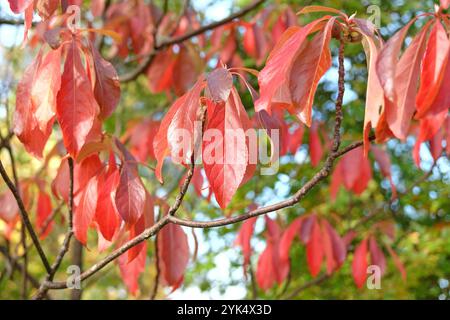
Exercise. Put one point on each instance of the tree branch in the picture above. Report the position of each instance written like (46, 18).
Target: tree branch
(141, 68)
(25, 217)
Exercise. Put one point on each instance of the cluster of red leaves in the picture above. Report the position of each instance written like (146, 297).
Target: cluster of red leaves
(369, 248)
(79, 98)
(322, 242)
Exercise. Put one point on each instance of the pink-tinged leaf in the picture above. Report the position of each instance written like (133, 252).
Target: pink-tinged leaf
(145, 221)
(388, 61)
(8, 207)
(306, 228)
(44, 211)
(376, 255)
(76, 106)
(315, 250)
(308, 68)
(338, 244)
(243, 240)
(265, 270)
(107, 86)
(141, 139)
(46, 8)
(45, 88)
(26, 125)
(255, 42)
(188, 67)
(442, 101)
(374, 93)
(85, 206)
(398, 263)
(295, 139)
(106, 213)
(359, 264)
(225, 152)
(61, 182)
(328, 249)
(337, 180)
(219, 83)
(383, 160)
(273, 78)
(353, 171)
(447, 135)
(288, 237)
(400, 113)
(130, 271)
(428, 128)
(445, 4)
(161, 72)
(28, 21)
(130, 194)
(179, 121)
(173, 251)
(433, 67)
(315, 145)
(84, 171)
(18, 6)
(97, 7)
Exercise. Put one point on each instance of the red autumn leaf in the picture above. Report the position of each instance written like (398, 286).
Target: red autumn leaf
(36, 102)
(188, 66)
(315, 250)
(44, 211)
(173, 251)
(243, 240)
(141, 139)
(46, 8)
(61, 182)
(353, 171)
(85, 206)
(107, 86)
(219, 83)
(315, 145)
(306, 228)
(131, 270)
(376, 255)
(8, 207)
(18, 6)
(255, 43)
(328, 249)
(295, 139)
(288, 237)
(97, 7)
(266, 270)
(76, 106)
(374, 94)
(130, 193)
(225, 154)
(273, 79)
(442, 100)
(271, 268)
(400, 112)
(106, 214)
(179, 120)
(428, 128)
(311, 63)
(338, 244)
(160, 73)
(359, 264)
(144, 222)
(433, 67)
